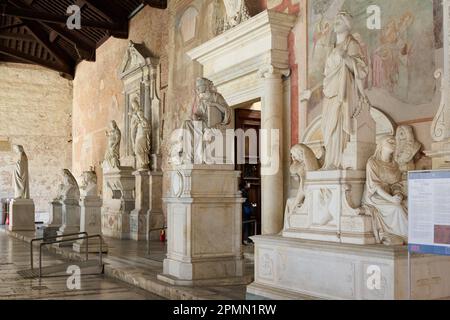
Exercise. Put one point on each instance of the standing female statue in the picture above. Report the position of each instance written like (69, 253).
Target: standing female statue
(384, 195)
(112, 155)
(21, 177)
(142, 143)
(343, 88)
(134, 121)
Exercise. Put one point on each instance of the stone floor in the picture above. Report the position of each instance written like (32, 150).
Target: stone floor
(15, 256)
(138, 263)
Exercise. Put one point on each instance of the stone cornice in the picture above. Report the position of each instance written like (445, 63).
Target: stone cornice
(244, 49)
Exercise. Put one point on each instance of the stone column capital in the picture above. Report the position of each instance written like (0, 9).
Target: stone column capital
(269, 71)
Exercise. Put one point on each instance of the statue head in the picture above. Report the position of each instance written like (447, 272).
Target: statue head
(69, 179)
(89, 178)
(204, 85)
(113, 124)
(135, 104)
(385, 144)
(301, 153)
(343, 22)
(17, 148)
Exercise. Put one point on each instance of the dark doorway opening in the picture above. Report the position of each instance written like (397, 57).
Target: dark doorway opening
(248, 117)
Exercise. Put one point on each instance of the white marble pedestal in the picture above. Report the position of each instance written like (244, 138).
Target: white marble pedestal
(70, 220)
(331, 211)
(118, 202)
(139, 217)
(298, 269)
(21, 215)
(204, 226)
(90, 222)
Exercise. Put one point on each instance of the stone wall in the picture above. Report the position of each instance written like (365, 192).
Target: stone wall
(35, 111)
(98, 92)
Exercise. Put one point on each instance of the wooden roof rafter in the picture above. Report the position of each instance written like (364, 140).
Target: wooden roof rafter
(35, 31)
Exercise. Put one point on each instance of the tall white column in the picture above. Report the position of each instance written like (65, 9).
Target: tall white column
(272, 203)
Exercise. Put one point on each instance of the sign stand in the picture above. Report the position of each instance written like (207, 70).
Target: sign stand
(429, 215)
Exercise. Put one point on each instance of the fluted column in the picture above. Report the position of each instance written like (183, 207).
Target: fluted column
(272, 203)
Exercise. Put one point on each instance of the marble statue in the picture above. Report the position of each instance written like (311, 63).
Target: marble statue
(408, 148)
(303, 160)
(21, 177)
(211, 112)
(385, 196)
(142, 142)
(89, 183)
(134, 121)
(236, 13)
(343, 89)
(70, 188)
(112, 155)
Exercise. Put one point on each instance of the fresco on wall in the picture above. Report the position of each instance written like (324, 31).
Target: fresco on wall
(400, 54)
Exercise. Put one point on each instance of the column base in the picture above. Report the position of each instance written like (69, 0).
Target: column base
(204, 273)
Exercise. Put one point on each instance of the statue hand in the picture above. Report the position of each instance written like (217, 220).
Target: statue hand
(397, 199)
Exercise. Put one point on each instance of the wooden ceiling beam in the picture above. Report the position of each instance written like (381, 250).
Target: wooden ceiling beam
(109, 11)
(41, 16)
(12, 26)
(15, 54)
(84, 46)
(16, 36)
(44, 40)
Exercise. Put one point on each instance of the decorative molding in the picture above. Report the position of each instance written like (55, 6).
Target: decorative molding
(244, 49)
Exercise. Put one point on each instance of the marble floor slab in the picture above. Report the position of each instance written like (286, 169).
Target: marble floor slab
(139, 263)
(15, 256)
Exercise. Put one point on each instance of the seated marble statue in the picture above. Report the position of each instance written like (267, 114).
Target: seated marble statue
(384, 196)
(112, 154)
(303, 161)
(211, 112)
(21, 178)
(70, 189)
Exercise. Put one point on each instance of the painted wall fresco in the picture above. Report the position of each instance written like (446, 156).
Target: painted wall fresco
(400, 54)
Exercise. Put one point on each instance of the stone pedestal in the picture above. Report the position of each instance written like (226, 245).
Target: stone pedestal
(55, 221)
(90, 222)
(331, 211)
(118, 202)
(155, 210)
(55, 214)
(298, 269)
(70, 220)
(204, 226)
(139, 217)
(21, 215)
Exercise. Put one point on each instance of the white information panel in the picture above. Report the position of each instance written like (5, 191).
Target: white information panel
(429, 212)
